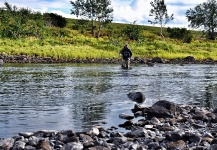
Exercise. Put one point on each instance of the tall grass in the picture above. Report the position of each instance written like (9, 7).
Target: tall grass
(70, 44)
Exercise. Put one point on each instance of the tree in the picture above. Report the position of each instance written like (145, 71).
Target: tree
(204, 16)
(98, 11)
(53, 19)
(159, 10)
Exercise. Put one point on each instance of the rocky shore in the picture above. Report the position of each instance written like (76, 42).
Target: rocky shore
(135, 60)
(163, 126)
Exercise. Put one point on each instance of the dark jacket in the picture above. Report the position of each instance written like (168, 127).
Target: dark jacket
(126, 53)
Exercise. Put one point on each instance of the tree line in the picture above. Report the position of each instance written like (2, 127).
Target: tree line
(94, 15)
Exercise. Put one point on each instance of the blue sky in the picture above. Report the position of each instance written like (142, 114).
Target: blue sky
(125, 11)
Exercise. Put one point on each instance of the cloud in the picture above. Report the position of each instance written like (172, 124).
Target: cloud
(135, 11)
(138, 10)
(125, 11)
(40, 5)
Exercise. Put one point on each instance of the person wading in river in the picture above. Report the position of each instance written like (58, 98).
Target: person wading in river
(126, 54)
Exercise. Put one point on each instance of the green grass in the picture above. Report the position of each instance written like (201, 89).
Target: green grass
(71, 44)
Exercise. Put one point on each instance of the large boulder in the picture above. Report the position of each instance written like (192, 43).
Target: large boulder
(163, 109)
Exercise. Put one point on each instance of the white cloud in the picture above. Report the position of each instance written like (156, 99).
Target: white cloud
(135, 11)
(138, 10)
(126, 11)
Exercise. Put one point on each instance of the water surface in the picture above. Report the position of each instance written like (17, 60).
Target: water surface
(75, 96)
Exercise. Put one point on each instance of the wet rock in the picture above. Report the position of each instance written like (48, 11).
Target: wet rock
(136, 96)
(99, 148)
(126, 124)
(157, 60)
(94, 131)
(139, 132)
(153, 145)
(155, 121)
(189, 59)
(44, 145)
(19, 145)
(200, 115)
(6, 144)
(85, 138)
(125, 116)
(163, 109)
(1, 62)
(26, 134)
(170, 106)
(213, 147)
(174, 136)
(159, 112)
(138, 109)
(192, 137)
(73, 146)
(30, 148)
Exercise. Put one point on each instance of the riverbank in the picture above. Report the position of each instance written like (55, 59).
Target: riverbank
(134, 60)
(164, 125)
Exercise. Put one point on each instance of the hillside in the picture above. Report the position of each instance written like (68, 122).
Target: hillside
(75, 43)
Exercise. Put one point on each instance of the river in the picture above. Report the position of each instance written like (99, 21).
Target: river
(77, 96)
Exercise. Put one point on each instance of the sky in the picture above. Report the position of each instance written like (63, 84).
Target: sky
(125, 11)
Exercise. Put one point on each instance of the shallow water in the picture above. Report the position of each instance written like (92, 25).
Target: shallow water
(75, 96)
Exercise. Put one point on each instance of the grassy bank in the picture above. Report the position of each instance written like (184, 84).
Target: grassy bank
(70, 44)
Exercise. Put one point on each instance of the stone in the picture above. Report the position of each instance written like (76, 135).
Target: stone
(157, 60)
(44, 145)
(6, 144)
(155, 121)
(73, 146)
(189, 59)
(192, 137)
(94, 131)
(180, 144)
(174, 136)
(125, 116)
(139, 132)
(136, 96)
(1, 62)
(19, 145)
(159, 112)
(85, 138)
(26, 134)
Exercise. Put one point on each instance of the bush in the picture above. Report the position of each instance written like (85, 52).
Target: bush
(180, 33)
(22, 22)
(132, 32)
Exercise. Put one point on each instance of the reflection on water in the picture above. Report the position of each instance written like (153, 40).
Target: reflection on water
(72, 96)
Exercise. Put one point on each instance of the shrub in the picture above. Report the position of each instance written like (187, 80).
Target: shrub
(132, 32)
(180, 33)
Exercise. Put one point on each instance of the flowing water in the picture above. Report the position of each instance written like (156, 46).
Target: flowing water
(74, 96)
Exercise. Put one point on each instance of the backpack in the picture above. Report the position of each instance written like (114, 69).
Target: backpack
(126, 55)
